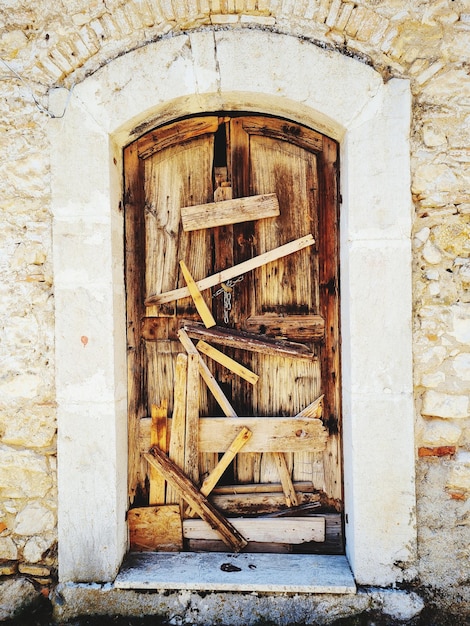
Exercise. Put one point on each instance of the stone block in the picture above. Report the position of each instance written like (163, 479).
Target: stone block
(34, 519)
(8, 568)
(8, 549)
(459, 478)
(31, 569)
(23, 474)
(35, 429)
(445, 405)
(16, 596)
(440, 432)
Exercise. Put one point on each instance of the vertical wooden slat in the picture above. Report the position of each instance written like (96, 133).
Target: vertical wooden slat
(329, 309)
(135, 289)
(191, 468)
(158, 437)
(178, 426)
(246, 466)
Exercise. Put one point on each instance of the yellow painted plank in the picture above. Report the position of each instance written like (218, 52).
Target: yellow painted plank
(199, 301)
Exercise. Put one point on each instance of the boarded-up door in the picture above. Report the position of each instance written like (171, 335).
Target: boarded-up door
(290, 306)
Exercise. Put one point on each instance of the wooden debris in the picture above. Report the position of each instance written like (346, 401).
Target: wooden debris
(235, 211)
(258, 503)
(155, 528)
(233, 272)
(207, 376)
(293, 530)
(291, 327)
(214, 477)
(248, 341)
(199, 301)
(227, 362)
(314, 409)
(270, 434)
(158, 437)
(303, 486)
(178, 423)
(229, 534)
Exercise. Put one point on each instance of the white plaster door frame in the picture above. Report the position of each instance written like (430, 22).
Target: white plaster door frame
(215, 71)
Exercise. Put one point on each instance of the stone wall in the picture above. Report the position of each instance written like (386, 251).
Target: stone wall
(45, 44)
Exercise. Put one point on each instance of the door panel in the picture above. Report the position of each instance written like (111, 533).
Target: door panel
(181, 165)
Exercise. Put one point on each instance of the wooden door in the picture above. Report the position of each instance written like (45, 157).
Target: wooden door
(287, 304)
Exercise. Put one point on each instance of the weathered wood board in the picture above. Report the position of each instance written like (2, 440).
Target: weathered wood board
(155, 528)
(290, 327)
(234, 211)
(270, 434)
(294, 530)
(248, 341)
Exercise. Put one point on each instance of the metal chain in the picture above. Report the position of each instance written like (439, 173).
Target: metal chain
(227, 289)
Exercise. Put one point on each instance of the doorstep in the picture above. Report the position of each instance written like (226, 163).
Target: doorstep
(221, 571)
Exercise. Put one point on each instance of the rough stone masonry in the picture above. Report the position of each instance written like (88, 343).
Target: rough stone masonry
(44, 45)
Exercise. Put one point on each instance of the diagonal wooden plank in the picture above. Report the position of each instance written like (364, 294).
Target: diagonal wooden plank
(207, 376)
(227, 362)
(236, 270)
(214, 477)
(172, 473)
(199, 301)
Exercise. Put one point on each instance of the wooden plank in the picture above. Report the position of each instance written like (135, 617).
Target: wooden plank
(286, 480)
(204, 545)
(288, 132)
(135, 291)
(270, 434)
(176, 133)
(214, 477)
(233, 272)
(199, 301)
(314, 409)
(158, 437)
(291, 327)
(178, 423)
(215, 214)
(330, 354)
(229, 534)
(207, 376)
(304, 486)
(227, 362)
(155, 528)
(248, 341)
(293, 530)
(191, 451)
(259, 503)
(333, 543)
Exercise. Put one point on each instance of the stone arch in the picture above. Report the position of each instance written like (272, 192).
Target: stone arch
(253, 71)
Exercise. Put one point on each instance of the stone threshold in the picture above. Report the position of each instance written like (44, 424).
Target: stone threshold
(221, 571)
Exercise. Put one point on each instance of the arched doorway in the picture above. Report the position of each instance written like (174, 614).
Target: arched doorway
(220, 192)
